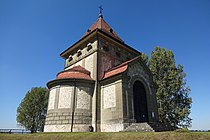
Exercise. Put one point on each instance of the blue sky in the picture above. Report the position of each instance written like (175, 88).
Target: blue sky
(34, 32)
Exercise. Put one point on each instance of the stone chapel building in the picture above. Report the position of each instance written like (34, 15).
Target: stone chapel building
(104, 86)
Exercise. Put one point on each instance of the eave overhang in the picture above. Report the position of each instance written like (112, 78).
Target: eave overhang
(67, 81)
(65, 53)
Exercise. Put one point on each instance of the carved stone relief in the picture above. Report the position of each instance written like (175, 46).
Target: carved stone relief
(51, 103)
(109, 96)
(65, 97)
(83, 98)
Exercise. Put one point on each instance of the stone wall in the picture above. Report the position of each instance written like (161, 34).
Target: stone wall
(110, 55)
(111, 106)
(67, 128)
(51, 102)
(60, 108)
(65, 96)
(137, 72)
(87, 59)
(63, 120)
(109, 96)
(107, 105)
(106, 127)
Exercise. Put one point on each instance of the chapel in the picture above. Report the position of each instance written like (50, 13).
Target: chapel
(105, 86)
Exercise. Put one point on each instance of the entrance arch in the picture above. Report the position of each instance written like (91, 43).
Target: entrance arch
(140, 102)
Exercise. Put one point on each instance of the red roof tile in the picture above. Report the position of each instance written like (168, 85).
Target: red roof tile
(115, 72)
(80, 69)
(76, 72)
(102, 25)
(118, 69)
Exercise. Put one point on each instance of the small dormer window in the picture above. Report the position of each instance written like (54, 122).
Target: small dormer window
(106, 48)
(89, 46)
(111, 30)
(79, 53)
(118, 54)
(70, 58)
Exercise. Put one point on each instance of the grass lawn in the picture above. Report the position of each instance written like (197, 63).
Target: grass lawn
(110, 136)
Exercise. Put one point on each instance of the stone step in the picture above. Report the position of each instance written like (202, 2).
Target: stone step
(161, 127)
(148, 127)
(139, 127)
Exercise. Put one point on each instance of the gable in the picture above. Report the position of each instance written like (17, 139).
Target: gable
(132, 67)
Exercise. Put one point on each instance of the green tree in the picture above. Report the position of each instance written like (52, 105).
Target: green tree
(32, 110)
(145, 58)
(172, 93)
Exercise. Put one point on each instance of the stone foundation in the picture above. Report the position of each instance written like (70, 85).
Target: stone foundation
(112, 127)
(66, 128)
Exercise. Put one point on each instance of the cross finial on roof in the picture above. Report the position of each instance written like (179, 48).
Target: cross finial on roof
(100, 14)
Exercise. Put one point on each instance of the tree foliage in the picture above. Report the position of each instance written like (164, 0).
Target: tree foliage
(172, 93)
(145, 58)
(31, 112)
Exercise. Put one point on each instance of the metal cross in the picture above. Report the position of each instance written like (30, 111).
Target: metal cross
(100, 7)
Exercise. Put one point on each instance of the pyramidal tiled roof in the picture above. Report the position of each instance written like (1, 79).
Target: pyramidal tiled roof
(102, 25)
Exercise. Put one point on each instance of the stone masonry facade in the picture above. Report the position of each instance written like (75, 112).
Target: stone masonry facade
(96, 89)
